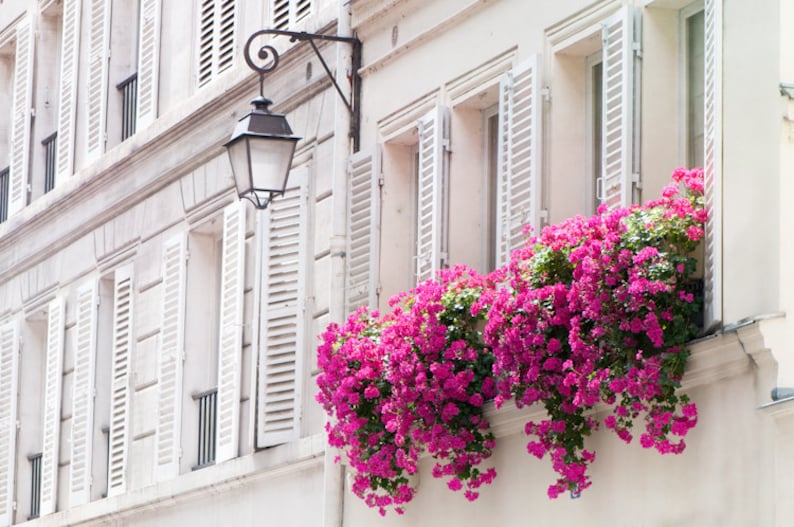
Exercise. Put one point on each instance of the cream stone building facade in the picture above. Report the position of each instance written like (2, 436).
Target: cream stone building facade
(157, 335)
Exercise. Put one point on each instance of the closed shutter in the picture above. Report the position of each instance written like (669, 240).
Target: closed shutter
(617, 106)
(120, 381)
(9, 379)
(83, 395)
(283, 315)
(172, 347)
(363, 230)
(148, 63)
(217, 38)
(98, 44)
(67, 90)
(230, 331)
(431, 213)
(712, 161)
(20, 125)
(518, 195)
(285, 14)
(53, 375)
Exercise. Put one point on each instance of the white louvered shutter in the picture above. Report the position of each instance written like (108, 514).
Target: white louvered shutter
(21, 116)
(67, 90)
(53, 375)
(217, 37)
(120, 380)
(285, 14)
(9, 380)
(172, 347)
(712, 161)
(363, 230)
(518, 196)
(148, 63)
(97, 86)
(615, 185)
(230, 331)
(83, 378)
(431, 213)
(283, 314)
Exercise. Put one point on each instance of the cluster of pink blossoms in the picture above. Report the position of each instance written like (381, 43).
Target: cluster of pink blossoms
(594, 311)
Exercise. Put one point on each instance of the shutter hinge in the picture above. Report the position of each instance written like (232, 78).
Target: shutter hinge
(546, 94)
(635, 179)
(381, 180)
(187, 255)
(637, 49)
(445, 144)
(444, 257)
(33, 112)
(544, 216)
(378, 289)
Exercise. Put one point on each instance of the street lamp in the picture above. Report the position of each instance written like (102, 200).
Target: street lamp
(262, 144)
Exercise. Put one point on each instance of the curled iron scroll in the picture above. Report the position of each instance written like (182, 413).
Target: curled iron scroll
(265, 61)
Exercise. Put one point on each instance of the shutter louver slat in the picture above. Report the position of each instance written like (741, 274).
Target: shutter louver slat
(148, 63)
(67, 91)
(9, 380)
(518, 197)
(363, 231)
(431, 193)
(120, 381)
(712, 162)
(52, 407)
(98, 44)
(283, 316)
(172, 345)
(618, 88)
(20, 125)
(83, 378)
(230, 340)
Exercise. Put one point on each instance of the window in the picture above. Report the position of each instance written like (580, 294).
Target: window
(129, 104)
(491, 127)
(216, 38)
(44, 132)
(35, 485)
(4, 177)
(695, 86)
(595, 114)
(50, 146)
(207, 427)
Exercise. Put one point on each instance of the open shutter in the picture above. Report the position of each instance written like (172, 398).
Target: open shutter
(712, 161)
(52, 407)
(67, 91)
(283, 315)
(518, 197)
(172, 344)
(230, 333)
(206, 38)
(83, 395)
(20, 125)
(431, 213)
(148, 63)
(227, 30)
(9, 379)
(615, 185)
(97, 86)
(120, 381)
(217, 37)
(363, 230)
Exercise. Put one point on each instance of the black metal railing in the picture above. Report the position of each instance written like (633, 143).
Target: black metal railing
(129, 104)
(50, 146)
(35, 485)
(208, 417)
(4, 177)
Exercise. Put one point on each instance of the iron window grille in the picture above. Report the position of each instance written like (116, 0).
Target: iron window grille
(4, 176)
(35, 485)
(129, 104)
(50, 149)
(208, 404)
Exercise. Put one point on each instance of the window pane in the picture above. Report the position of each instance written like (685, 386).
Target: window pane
(695, 85)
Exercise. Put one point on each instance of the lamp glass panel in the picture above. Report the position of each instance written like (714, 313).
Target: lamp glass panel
(238, 156)
(270, 162)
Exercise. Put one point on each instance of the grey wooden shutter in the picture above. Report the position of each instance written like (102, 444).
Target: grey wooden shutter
(230, 330)
(21, 116)
(9, 382)
(363, 230)
(67, 90)
(53, 375)
(283, 314)
(83, 387)
(172, 348)
(615, 184)
(431, 210)
(148, 63)
(712, 161)
(518, 195)
(121, 374)
(97, 85)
